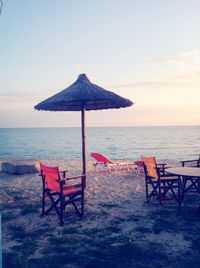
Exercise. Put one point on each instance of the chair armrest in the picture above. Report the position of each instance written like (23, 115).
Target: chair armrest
(63, 172)
(163, 173)
(189, 161)
(161, 167)
(72, 178)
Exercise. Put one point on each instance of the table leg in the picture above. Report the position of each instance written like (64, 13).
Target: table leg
(182, 182)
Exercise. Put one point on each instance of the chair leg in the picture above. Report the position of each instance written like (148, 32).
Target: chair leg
(159, 192)
(117, 168)
(43, 203)
(82, 204)
(146, 187)
(55, 203)
(53, 206)
(179, 205)
(183, 190)
(80, 211)
(173, 186)
(109, 169)
(62, 207)
(127, 166)
(179, 189)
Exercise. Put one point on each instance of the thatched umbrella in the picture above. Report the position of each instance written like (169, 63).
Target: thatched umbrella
(82, 95)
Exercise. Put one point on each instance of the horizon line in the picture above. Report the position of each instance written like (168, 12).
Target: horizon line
(195, 125)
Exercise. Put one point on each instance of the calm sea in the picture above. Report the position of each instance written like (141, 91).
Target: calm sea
(166, 143)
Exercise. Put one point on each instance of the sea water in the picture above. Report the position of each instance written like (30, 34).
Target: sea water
(166, 142)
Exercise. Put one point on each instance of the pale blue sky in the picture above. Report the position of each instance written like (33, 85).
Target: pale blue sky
(147, 51)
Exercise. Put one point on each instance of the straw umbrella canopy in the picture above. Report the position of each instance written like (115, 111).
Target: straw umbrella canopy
(83, 96)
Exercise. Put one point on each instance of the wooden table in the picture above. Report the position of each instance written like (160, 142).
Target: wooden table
(186, 174)
(192, 172)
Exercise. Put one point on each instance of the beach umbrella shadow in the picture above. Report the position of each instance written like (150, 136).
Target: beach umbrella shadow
(83, 96)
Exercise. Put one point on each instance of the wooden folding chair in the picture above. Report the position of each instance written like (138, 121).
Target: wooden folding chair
(157, 183)
(191, 184)
(60, 193)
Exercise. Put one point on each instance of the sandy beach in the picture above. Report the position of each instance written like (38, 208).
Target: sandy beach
(119, 228)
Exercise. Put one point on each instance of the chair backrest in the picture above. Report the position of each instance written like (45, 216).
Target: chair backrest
(191, 163)
(198, 163)
(150, 164)
(51, 177)
(101, 158)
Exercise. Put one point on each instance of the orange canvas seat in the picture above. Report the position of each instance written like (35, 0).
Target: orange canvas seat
(157, 183)
(60, 192)
(104, 162)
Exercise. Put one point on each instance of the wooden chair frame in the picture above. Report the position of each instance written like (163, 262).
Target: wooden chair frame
(192, 163)
(190, 185)
(65, 195)
(161, 184)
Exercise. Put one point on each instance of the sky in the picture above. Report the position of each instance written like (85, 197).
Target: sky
(146, 51)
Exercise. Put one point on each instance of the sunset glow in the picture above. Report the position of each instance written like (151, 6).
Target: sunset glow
(145, 51)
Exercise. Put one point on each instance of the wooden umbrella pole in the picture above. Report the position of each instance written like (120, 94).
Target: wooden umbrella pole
(83, 141)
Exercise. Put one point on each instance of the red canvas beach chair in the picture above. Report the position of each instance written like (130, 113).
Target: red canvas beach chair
(159, 184)
(60, 193)
(104, 162)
